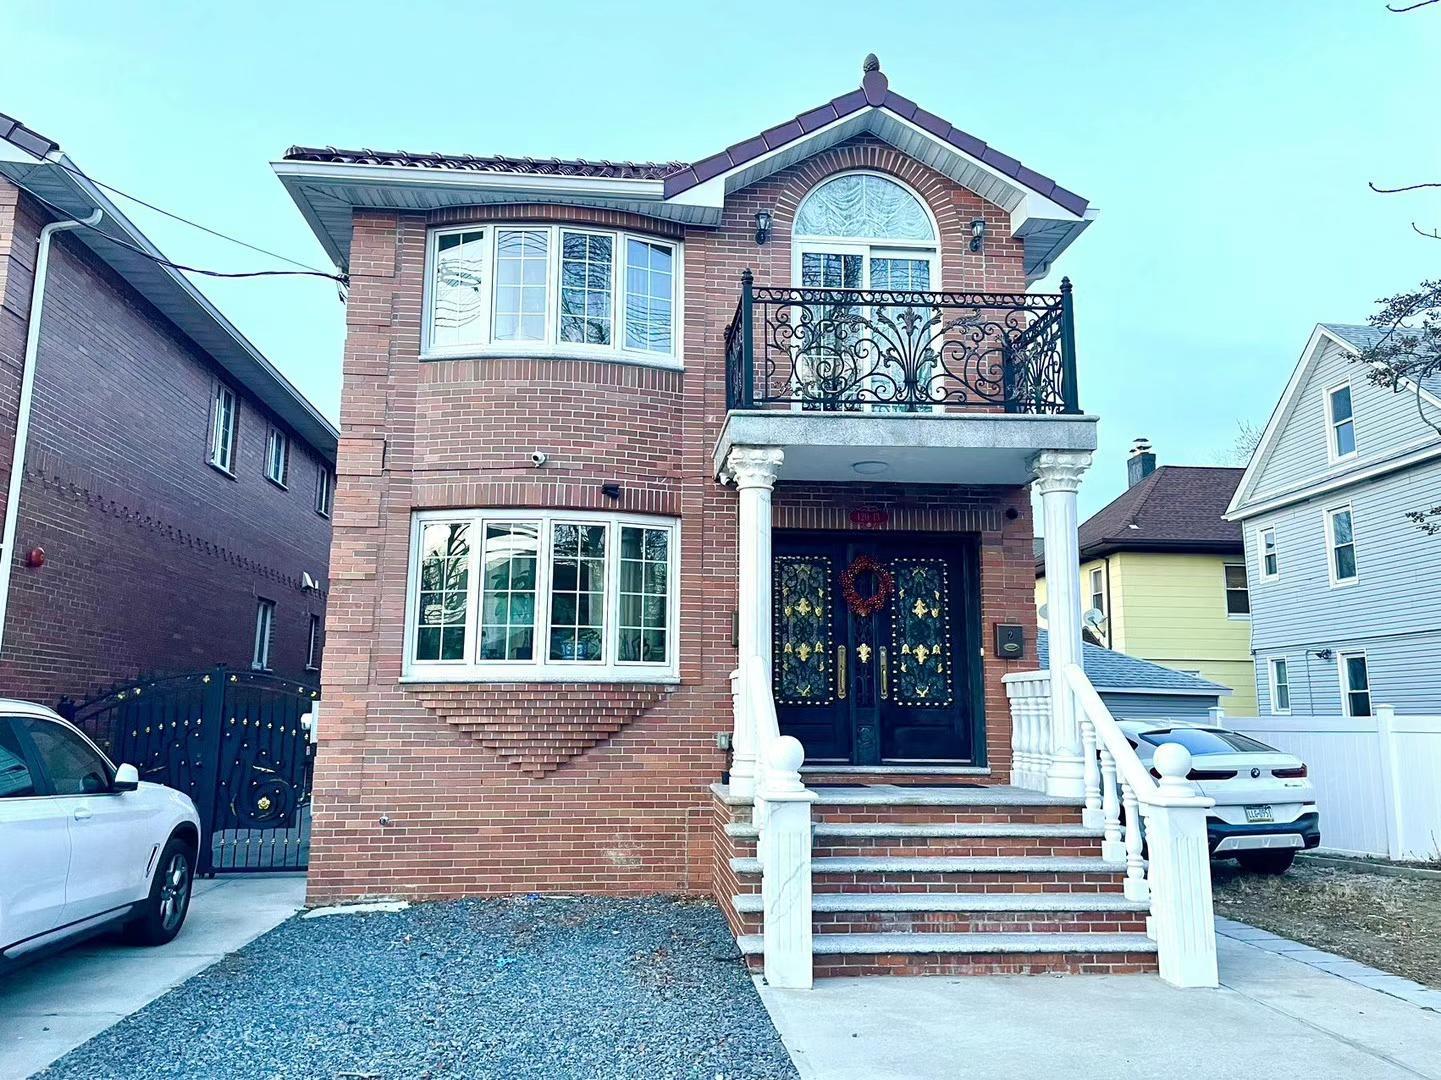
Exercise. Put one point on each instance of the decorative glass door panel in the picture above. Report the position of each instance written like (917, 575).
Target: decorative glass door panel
(871, 657)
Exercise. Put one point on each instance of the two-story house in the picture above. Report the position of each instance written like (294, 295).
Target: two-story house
(1163, 574)
(168, 491)
(1345, 614)
(678, 499)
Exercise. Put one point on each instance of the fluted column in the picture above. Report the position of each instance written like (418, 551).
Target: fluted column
(1058, 477)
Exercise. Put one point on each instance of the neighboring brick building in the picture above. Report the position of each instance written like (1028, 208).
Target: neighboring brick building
(164, 528)
(555, 521)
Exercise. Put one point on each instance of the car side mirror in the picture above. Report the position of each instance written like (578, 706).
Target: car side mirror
(127, 778)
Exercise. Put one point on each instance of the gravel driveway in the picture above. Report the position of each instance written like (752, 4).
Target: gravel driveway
(553, 987)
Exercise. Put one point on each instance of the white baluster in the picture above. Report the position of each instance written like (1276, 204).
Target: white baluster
(1136, 887)
(1113, 847)
(1091, 773)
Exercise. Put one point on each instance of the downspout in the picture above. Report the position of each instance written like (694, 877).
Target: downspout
(22, 418)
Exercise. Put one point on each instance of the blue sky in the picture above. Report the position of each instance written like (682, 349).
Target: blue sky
(1227, 145)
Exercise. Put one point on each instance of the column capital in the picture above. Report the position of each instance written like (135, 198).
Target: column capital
(754, 466)
(1060, 470)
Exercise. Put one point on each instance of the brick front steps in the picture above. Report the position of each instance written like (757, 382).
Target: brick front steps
(955, 880)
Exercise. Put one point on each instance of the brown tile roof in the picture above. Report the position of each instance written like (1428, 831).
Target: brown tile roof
(607, 170)
(1176, 508)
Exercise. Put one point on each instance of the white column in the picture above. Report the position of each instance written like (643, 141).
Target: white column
(754, 468)
(1058, 477)
(785, 854)
(1180, 872)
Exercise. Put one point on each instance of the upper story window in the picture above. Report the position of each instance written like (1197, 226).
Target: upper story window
(277, 457)
(536, 595)
(1343, 424)
(1270, 558)
(1238, 594)
(508, 289)
(1098, 591)
(224, 416)
(312, 646)
(864, 206)
(264, 631)
(323, 491)
(1342, 545)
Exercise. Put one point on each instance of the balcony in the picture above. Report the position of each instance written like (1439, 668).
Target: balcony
(921, 387)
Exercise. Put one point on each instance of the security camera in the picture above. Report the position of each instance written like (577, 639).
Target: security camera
(538, 458)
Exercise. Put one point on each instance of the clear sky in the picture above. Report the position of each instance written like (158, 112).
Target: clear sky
(1227, 145)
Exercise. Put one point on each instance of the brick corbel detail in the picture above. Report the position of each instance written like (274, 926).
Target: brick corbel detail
(538, 727)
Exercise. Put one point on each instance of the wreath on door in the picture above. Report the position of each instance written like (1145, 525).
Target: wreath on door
(866, 606)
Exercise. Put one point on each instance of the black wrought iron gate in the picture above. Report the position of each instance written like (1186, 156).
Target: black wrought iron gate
(237, 742)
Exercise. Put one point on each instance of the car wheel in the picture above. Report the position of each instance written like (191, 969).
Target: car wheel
(169, 899)
(1267, 862)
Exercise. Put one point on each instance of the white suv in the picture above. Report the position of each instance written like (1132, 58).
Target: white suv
(84, 846)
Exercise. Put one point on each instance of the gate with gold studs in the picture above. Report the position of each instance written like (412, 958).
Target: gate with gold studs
(237, 742)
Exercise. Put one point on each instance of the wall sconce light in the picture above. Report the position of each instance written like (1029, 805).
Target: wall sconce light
(610, 490)
(978, 234)
(763, 226)
(1323, 654)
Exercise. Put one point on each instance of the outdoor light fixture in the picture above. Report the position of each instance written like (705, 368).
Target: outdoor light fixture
(610, 490)
(978, 233)
(1323, 654)
(763, 226)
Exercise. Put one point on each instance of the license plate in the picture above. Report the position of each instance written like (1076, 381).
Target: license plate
(1259, 815)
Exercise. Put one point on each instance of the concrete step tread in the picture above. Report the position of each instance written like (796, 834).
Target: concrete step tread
(945, 864)
(972, 944)
(745, 830)
(903, 795)
(958, 902)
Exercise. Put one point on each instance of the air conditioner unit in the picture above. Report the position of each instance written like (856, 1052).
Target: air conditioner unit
(308, 583)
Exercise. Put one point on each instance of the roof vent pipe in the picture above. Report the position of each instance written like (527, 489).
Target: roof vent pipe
(1141, 463)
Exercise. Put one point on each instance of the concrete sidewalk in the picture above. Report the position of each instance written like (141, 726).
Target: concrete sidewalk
(54, 1005)
(1273, 1015)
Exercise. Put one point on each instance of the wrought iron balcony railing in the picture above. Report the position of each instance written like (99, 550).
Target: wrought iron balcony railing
(882, 350)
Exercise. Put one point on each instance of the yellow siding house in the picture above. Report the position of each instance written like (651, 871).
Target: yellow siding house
(1163, 576)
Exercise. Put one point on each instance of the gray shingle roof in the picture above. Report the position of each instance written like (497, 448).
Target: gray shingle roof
(1111, 670)
(1365, 337)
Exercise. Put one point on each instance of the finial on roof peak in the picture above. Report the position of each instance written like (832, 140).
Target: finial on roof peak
(870, 63)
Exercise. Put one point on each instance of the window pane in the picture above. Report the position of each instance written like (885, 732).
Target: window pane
(649, 296)
(1359, 704)
(644, 596)
(585, 288)
(1340, 404)
(73, 767)
(863, 205)
(444, 579)
(1341, 527)
(1345, 439)
(1280, 679)
(507, 606)
(1238, 602)
(457, 289)
(15, 778)
(1356, 678)
(578, 583)
(1345, 562)
(520, 297)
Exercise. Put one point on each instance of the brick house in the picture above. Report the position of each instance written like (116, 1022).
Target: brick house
(169, 507)
(648, 471)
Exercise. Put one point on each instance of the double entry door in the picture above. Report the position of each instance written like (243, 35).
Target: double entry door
(874, 647)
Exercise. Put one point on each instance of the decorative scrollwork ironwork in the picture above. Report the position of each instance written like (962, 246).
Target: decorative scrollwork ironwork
(886, 350)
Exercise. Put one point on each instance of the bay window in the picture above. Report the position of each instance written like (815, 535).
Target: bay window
(542, 595)
(574, 290)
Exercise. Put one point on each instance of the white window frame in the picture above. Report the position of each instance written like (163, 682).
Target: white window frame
(274, 437)
(1330, 527)
(1097, 581)
(312, 648)
(552, 346)
(217, 400)
(1261, 534)
(1346, 691)
(264, 634)
(324, 491)
(1226, 591)
(1333, 426)
(542, 669)
(1271, 666)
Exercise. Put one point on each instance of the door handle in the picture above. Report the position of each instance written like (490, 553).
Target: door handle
(83, 813)
(841, 680)
(885, 676)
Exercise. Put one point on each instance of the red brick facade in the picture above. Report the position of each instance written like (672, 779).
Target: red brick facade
(432, 790)
(154, 559)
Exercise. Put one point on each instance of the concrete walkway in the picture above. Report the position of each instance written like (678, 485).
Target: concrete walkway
(1273, 1015)
(54, 1005)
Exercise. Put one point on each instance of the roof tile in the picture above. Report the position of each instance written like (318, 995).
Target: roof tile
(816, 118)
(966, 141)
(932, 123)
(1004, 162)
(1177, 507)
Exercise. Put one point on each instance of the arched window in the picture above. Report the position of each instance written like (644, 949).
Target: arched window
(864, 206)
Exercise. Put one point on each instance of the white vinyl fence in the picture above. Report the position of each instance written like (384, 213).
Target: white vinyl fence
(1378, 778)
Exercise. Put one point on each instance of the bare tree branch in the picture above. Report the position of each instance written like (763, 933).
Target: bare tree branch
(1409, 7)
(1405, 187)
(1431, 235)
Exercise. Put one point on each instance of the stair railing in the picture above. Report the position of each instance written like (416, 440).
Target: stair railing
(782, 816)
(1156, 825)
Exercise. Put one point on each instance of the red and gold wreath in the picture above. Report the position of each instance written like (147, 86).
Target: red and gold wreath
(866, 606)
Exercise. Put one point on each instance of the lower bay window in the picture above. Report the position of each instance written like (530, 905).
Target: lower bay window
(542, 595)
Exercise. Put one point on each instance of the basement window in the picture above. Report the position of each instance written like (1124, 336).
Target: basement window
(542, 596)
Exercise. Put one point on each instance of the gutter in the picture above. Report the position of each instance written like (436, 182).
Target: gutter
(27, 395)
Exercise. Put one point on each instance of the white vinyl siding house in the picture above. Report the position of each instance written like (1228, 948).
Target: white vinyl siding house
(1337, 569)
